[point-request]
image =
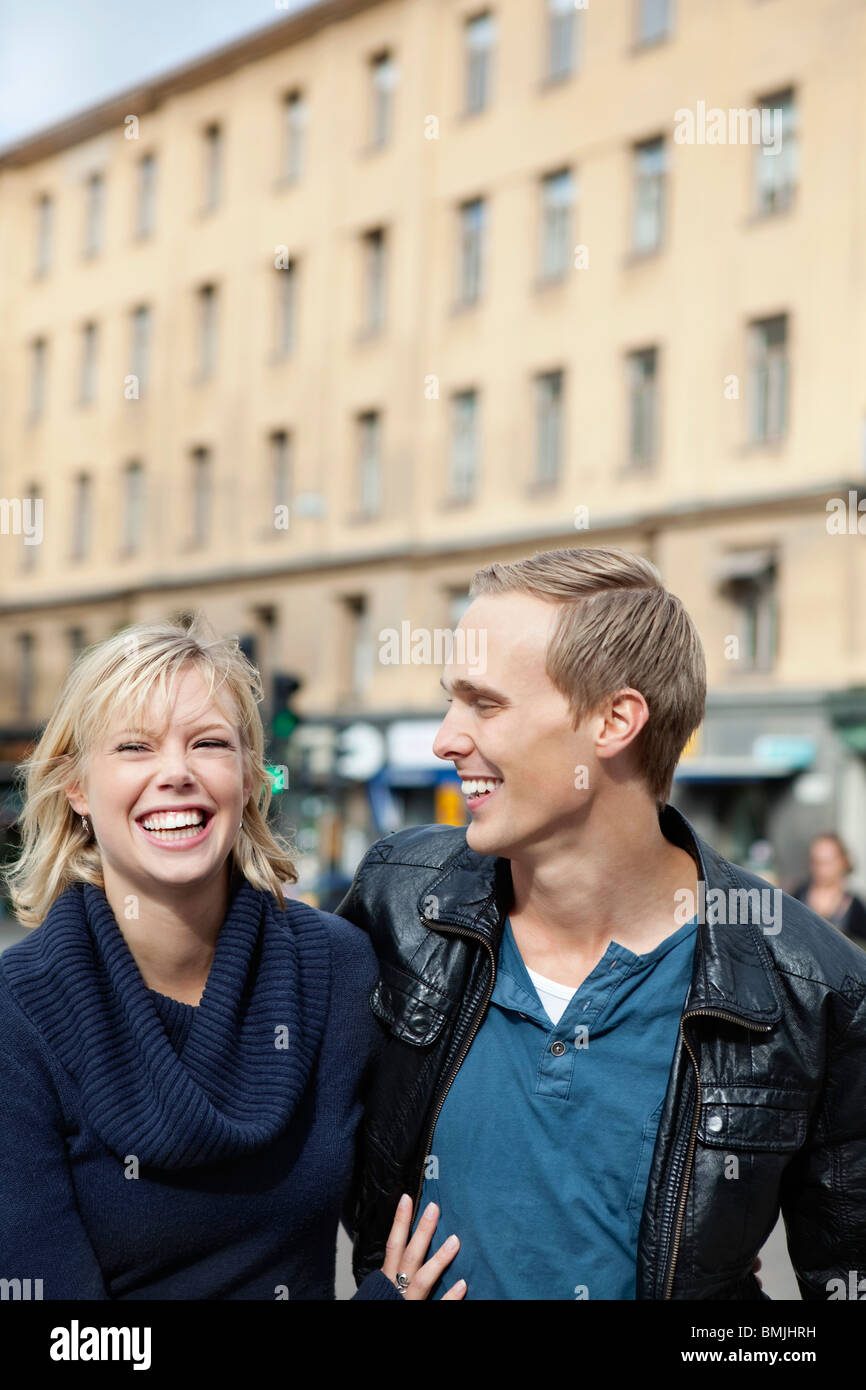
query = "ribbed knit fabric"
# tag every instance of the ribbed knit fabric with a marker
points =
(248, 1140)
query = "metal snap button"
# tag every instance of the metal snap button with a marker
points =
(557, 1048)
(715, 1123)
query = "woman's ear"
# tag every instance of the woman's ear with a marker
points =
(77, 801)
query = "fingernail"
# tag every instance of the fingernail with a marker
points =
(429, 1209)
(461, 1284)
(452, 1243)
(404, 1202)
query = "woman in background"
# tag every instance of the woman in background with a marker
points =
(183, 1051)
(825, 891)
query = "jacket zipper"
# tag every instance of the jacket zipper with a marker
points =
(458, 931)
(693, 1013)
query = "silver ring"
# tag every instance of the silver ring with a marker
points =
(402, 1282)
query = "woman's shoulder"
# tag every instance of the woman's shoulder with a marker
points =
(25, 1054)
(351, 948)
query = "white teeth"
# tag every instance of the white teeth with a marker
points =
(173, 820)
(473, 785)
(187, 833)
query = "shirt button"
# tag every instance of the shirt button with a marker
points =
(714, 1123)
(557, 1048)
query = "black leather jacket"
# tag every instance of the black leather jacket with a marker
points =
(769, 1066)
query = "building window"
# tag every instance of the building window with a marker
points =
(295, 116)
(479, 36)
(26, 674)
(207, 331)
(654, 20)
(649, 173)
(32, 495)
(557, 224)
(202, 488)
(82, 506)
(145, 206)
(548, 426)
(563, 38)
(94, 214)
(458, 601)
(370, 463)
(87, 379)
(44, 233)
(375, 250)
(77, 640)
(38, 369)
(643, 407)
(383, 82)
(133, 507)
(140, 346)
(464, 446)
(749, 581)
(287, 308)
(280, 466)
(776, 157)
(213, 167)
(470, 251)
(360, 645)
(768, 379)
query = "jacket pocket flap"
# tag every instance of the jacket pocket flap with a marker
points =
(753, 1117)
(408, 1006)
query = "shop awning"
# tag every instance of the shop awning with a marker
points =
(772, 756)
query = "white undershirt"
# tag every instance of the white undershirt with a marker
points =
(554, 996)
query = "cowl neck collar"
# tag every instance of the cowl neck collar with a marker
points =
(250, 1049)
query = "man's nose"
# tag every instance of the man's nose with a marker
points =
(451, 742)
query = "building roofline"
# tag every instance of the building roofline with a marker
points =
(145, 96)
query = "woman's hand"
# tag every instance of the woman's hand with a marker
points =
(401, 1258)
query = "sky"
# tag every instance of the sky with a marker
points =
(59, 56)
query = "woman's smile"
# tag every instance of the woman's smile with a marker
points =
(175, 836)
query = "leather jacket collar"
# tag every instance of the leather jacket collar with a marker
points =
(732, 973)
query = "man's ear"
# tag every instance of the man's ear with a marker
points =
(623, 718)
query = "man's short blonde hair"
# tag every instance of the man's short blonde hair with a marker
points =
(618, 626)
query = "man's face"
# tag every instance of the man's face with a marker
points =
(513, 725)
(195, 763)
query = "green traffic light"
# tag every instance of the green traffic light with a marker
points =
(285, 723)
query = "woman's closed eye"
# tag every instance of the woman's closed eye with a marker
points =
(203, 743)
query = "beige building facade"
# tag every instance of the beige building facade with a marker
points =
(306, 331)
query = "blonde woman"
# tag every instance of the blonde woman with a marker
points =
(183, 1051)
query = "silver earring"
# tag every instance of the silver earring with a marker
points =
(85, 825)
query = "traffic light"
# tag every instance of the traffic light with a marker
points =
(285, 719)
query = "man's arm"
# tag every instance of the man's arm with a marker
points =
(824, 1188)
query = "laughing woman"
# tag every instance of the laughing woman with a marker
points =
(183, 1051)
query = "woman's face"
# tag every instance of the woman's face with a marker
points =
(826, 862)
(194, 765)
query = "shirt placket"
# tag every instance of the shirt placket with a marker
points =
(572, 1035)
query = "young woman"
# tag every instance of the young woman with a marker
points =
(825, 890)
(183, 1051)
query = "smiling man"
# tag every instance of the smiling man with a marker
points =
(605, 1100)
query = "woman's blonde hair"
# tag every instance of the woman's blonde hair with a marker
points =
(618, 626)
(117, 674)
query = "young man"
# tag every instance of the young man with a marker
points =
(611, 1055)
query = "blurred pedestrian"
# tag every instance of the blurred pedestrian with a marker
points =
(825, 891)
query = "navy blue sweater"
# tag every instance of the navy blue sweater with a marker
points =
(154, 1149)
